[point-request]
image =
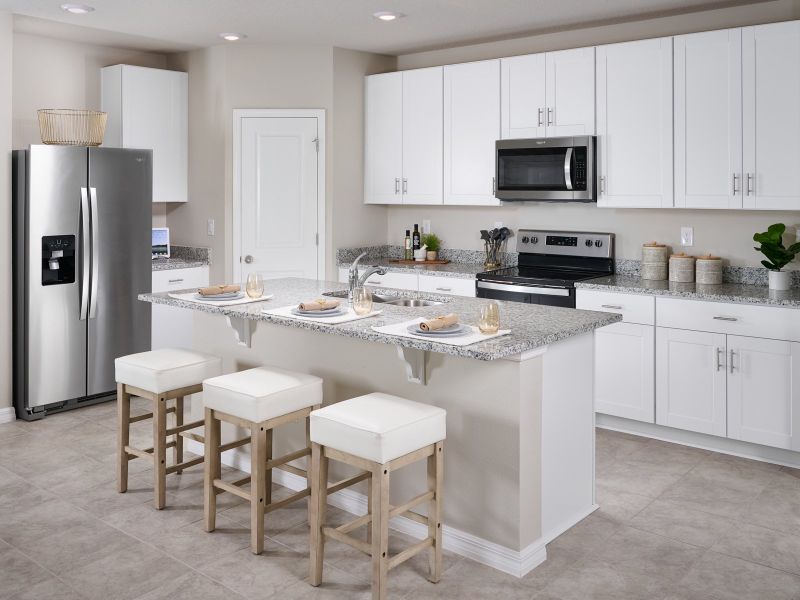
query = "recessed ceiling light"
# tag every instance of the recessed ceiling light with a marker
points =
(232, 37)
(77, 9)
(386, 15)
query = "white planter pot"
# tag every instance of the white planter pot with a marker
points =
(780, 280)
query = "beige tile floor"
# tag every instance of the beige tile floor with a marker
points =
(675, 523)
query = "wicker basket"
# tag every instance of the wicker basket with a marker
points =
(69, 127)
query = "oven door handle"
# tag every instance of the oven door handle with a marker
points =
(522, 289)
(568, 168)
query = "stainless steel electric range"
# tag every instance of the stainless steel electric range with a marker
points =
(550, 262)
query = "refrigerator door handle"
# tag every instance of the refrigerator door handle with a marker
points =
(95, 247)
(85, 251)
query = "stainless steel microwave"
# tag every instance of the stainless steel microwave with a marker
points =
(546, 169)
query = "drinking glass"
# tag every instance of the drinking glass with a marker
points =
(362, 301)
(255, 285)
(489, 321)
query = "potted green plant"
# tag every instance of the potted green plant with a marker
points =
(778, 256)
(434, 244)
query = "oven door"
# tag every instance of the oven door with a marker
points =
(550, 296)
(551, 169)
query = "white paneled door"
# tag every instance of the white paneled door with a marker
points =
(280, 196)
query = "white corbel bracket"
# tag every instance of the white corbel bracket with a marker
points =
(242, 329)
(414, 360)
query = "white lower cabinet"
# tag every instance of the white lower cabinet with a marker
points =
(690, 380)
(172, 327)
(447, 285)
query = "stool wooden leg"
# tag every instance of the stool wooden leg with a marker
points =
(435, 477)
(318, 472)
(160, 451)
(369, 511)
(380, 531)
(123, 436)
(268, 479)
(212, 468)
(177, 451)
(258, 476)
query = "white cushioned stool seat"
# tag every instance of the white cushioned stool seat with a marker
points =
(262, 393)
(378, 427)
(166, 369)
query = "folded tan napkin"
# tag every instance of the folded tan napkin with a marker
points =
(439, 322)
(216, 290)
(319, 304)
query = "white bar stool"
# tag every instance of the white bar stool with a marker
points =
(159, 375)
(260, 400)
(378, 433)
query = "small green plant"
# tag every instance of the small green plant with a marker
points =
(772, 247)
(432, 241)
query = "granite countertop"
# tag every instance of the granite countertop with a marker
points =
(453, 269)
(738, 293)
(532, 326)
(166, 264)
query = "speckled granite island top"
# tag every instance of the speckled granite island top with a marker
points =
(532, 326)
(738, 293)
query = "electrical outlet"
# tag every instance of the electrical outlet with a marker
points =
(210, 227)
(426, 225)
(687, 236)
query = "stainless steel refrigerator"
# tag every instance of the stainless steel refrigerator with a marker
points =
(81, 255)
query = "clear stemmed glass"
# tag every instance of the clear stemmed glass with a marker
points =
(489, 321)
(362, 301)
(255, 285)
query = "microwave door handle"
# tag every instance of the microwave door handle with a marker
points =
(85, 260)
(568, 168)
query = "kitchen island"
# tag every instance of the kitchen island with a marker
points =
(519, 466)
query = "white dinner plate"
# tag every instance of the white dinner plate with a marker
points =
(449, 331)
(319, 314)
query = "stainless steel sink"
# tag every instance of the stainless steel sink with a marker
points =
(384, 299)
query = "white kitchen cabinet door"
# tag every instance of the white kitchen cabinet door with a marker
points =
(523, 96)
(624, 371)
(634, 124)
(422, 136)
(764, 391)
(149, 108)
(570, 92)
(173, 327)
(771, 97)
(690, 380)
(383, 159)
(471, 128)
(708, 119)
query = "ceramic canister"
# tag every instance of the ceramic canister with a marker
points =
(681, 268)
(709, 270)
(654, 261)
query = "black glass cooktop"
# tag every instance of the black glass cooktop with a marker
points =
(540, 275)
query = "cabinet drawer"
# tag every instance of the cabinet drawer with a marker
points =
(739, 319)
(633, 308)
(447, 285)
(179, 279)
(403, 281)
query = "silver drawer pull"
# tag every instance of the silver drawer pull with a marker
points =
(176, 280)
(726, 319)
(444, 289)
(611, 306)
(374, 281)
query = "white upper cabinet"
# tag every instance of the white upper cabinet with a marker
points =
(148, 108)
(383, 164)
(708, 120)
(634, 124)
(471, 128)
(771, 97)
(548, 94)
(422, 136)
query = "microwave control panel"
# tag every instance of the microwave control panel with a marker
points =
(579, 182)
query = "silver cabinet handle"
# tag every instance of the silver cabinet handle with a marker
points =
(541, 116)
(732, 354)
(611, 306)
(567, 168)
(736, 189)
(248, 259)
(726, 319)
(720, 352)
(396, 185)
(750, 178)
(602, 184)
(176, 281)
(549, 115)
(85, 253)
(444, 289)
(95, 253)
(405, 185)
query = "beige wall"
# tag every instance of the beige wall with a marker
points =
(728, 233)
(6, 38)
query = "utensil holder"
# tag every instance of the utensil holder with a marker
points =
(492, 249)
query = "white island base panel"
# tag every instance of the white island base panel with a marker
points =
(519, 454)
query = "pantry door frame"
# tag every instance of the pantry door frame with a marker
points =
(239, 114)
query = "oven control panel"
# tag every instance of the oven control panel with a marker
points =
(566, 243)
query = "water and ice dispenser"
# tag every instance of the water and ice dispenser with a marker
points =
(58, 259)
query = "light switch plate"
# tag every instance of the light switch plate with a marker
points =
(687, 236)
(210, 227)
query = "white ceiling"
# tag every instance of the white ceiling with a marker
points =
(168, 25)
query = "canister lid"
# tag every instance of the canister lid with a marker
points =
(682, 256)
(654, 245)
(708, 257)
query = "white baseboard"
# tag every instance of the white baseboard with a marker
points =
(7, 415)
(516, 563)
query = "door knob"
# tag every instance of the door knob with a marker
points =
(248, 259)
